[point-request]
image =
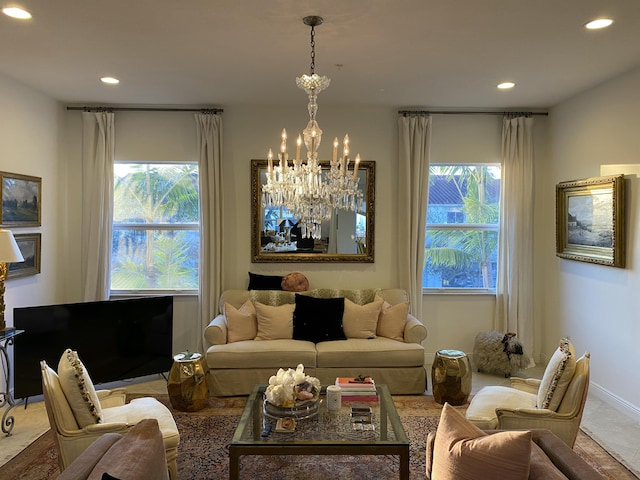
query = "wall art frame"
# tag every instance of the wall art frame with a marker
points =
(21, 200)
(30, 247)
(590, 225)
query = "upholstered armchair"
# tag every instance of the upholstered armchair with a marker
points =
(556, 402)
(78, 420)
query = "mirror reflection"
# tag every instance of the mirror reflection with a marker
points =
(346, 237)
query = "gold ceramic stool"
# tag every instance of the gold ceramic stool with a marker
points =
(187, 386)
(451, 377)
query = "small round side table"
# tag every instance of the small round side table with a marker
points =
(451, 377)
(187, 385)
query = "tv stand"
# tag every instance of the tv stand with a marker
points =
(6, 339)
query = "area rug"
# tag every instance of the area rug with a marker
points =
(205, 435)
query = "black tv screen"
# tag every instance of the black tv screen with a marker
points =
(116, 340)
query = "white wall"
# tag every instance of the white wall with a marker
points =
(29, 146)
(596, 305)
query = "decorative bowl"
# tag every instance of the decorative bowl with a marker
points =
(300, 410)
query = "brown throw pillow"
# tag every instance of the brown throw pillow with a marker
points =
(464, 452)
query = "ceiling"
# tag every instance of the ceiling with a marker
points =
(407, 53)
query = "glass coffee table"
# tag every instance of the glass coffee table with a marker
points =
(327, 433)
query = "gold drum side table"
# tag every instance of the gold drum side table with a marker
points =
(451, 377)
(187, 385)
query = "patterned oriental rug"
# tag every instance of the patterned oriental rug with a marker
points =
(203, 451)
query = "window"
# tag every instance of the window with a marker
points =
(461, 240)
(156, 233)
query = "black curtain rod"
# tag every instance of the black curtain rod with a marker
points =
(454, 112)
(146, 109)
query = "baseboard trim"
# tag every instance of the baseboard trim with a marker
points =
(614, 401)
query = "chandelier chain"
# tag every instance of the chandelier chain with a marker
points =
(313, 50)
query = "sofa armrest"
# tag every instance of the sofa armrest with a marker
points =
(216, 331)
(563, 457)
(83, 465)
(414, 330)
(112, 398)
(529, 385)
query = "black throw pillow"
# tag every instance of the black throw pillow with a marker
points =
(318, 319)
(264, 282)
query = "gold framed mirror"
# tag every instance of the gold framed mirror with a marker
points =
(349, 235)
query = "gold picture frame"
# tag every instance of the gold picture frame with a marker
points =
(590, 223)
(21, 200)
(30, 247)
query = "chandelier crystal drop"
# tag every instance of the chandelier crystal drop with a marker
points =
(309, 193)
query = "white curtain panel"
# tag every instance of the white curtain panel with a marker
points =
(209, 137)
(98, 144)
(514, 285)
(414, 144)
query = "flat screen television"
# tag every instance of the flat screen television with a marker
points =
(116, 340)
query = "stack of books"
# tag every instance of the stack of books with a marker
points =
(359, 389)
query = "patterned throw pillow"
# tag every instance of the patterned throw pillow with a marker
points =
(78, 389)
(557, 376)
(462, 451)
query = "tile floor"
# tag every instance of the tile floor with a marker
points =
(616, 432)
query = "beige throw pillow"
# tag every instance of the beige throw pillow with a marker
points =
(361, 321)
(557, 376)
(242, 323)
(392, 320)
(462, 451)
(274, 323)
(78, 389)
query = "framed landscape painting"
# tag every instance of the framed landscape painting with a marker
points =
(21, 196)
(590, 220)
(29, 245)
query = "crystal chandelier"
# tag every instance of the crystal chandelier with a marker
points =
(303, 188)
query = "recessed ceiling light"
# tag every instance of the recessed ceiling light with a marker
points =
(15, 12)
(110, 80)
(506, 85)
(599, 23)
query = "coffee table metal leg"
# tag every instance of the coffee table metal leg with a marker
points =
(234, 464)
(404, 465)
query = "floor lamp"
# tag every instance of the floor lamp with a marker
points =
(9, 253)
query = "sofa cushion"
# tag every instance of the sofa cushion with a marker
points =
(375, 352)
(482, 409)
(392, 320)
(242, 323)
(146, 407)
(274, 323)
(462, 451)
(264, 282)
(272, 354)
(78, 389)
(557, 376)
(361, 321)
(318, 319)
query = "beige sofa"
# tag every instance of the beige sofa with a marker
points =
(234, 368)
